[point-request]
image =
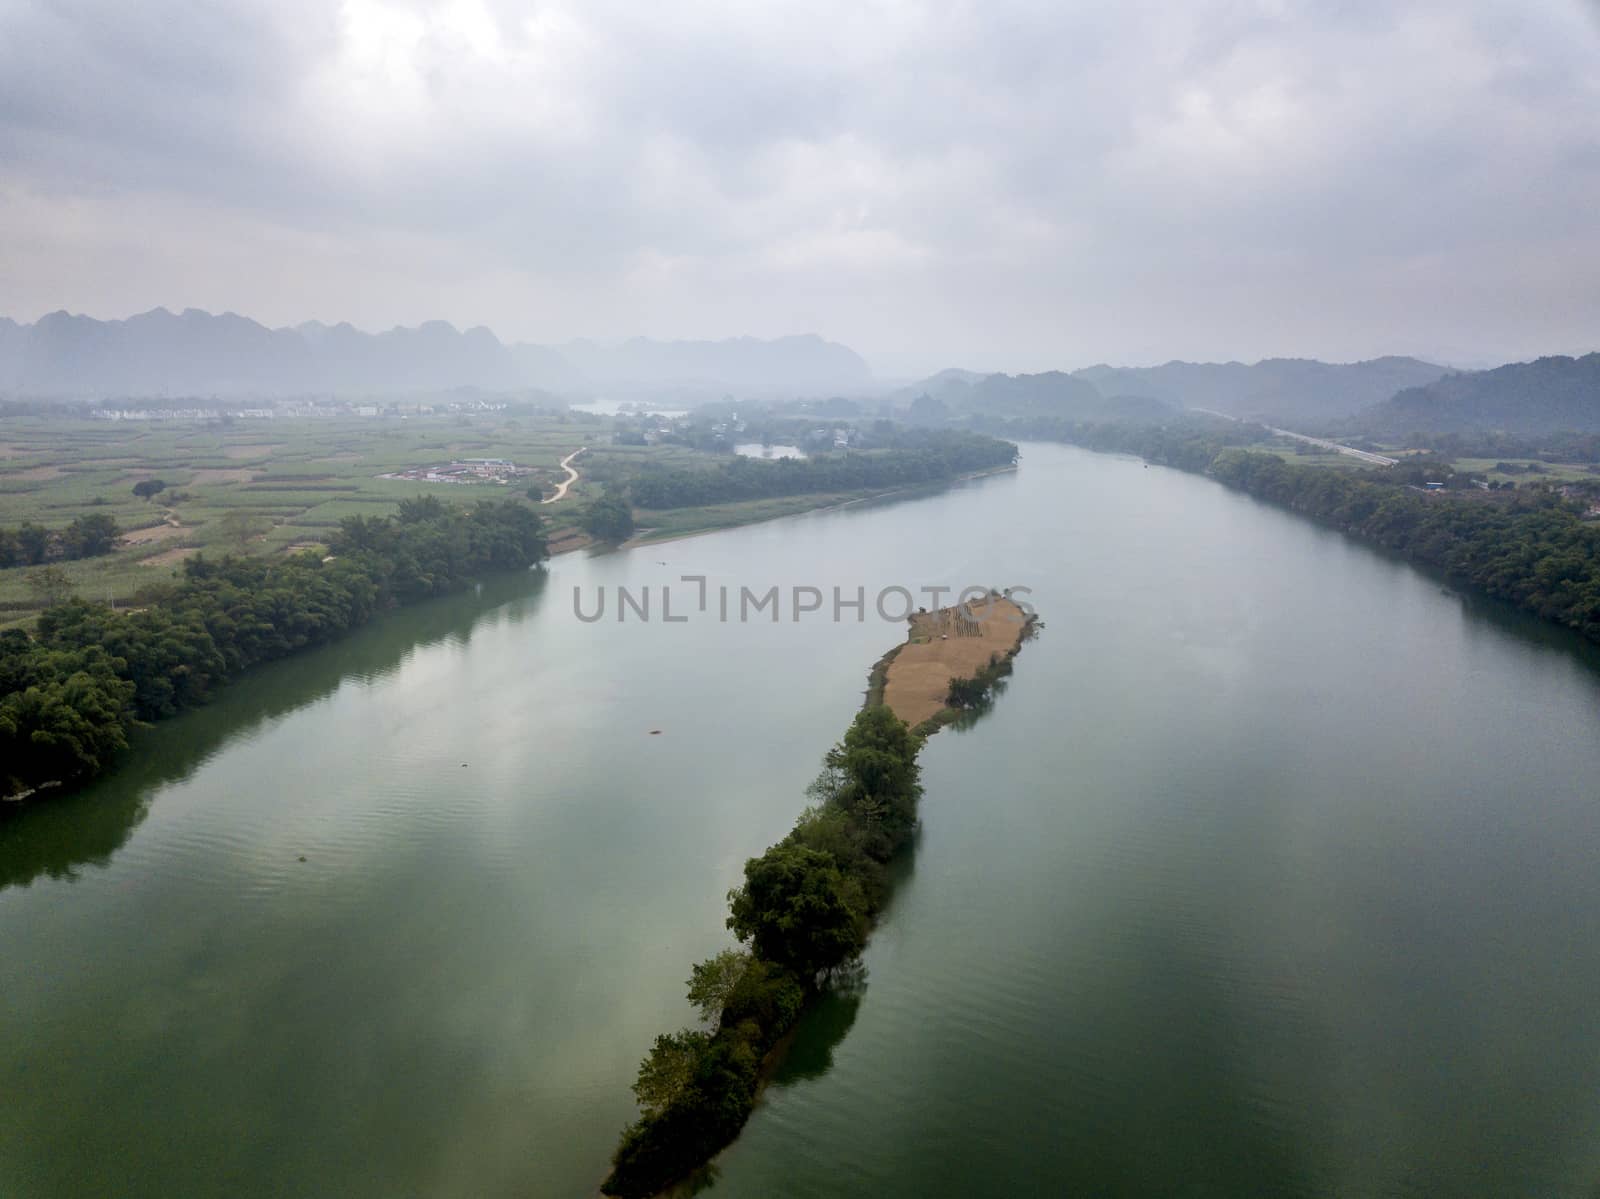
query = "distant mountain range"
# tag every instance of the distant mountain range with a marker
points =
(159, 353)
(1380, 398)
(954, 393)
(1549, 395)
(198, 354)
(1291, 391)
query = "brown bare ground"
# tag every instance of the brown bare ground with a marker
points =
(154, 533)
(169, 557)
(944, 645)
(572, 539)
(212, 474)
(238, 452)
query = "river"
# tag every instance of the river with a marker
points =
(1274, 871)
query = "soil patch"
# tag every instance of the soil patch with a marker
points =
(169, 557)
(570, 540)
(949, 644)
(153, 533)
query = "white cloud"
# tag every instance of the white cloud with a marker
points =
(1012, 183)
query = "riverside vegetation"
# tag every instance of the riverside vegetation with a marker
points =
(1532, 547)
(803, 915)
(74, 691)
(261, 488)
(917, 456)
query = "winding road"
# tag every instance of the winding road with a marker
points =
(1364, 455)
(572, 476)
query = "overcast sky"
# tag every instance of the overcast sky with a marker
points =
(997, 184)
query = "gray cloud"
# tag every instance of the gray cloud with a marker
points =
(1008, 183)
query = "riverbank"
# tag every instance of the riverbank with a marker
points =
(1175, 834)
(675, 524)
(91, 673)
(809, 902)
(1535, 547)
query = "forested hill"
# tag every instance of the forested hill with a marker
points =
(954, 393)
(1549, 395)
(1300, 392)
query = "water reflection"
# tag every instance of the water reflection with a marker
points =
(58, 836)
(824, 1027)
(809, 1055)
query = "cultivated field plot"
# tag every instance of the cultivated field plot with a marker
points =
(1529, 470)
(945, 645)
(270, 486)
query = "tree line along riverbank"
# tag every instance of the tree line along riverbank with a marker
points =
(918, 456)
(804, 909)
(71, 694)
(1535, 548)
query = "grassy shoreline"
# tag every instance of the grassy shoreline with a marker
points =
(683, 523)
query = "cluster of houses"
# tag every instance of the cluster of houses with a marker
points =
(468, 470)
(324, 409)
(156, 414)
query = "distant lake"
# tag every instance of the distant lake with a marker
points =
(1274, 871)
(754, 449)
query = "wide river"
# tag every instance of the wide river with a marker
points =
(1274, 871)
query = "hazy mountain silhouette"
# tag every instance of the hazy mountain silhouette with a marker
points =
(1549, 395)
(1049, 394)
(805, 362)
(195, 353)
(1296, 391)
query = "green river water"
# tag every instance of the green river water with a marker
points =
(1274, 871)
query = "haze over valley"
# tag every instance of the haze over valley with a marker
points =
(832, 601)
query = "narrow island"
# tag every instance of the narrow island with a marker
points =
(808, 902)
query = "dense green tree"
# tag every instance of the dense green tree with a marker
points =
(147, 488)
(30, 544)
(33, 543)
(90, 536)
(714, 979)
(669, 1069)
(420, 508)
(796, 909)
(65, 726)
(880, 780)
(222, 617)
(966, 693)
(609, 518)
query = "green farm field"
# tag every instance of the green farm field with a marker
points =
(289, 482)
